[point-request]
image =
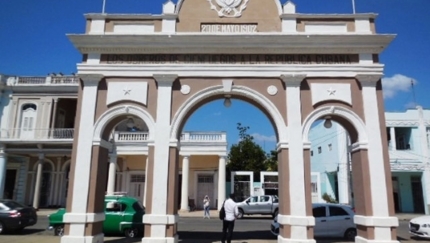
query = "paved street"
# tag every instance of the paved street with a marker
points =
(191, 229)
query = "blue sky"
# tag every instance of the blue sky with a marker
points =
(33, 42)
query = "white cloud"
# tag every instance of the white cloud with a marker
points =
(395, 84)
(261, 138)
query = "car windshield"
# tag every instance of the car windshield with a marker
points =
(12, 204)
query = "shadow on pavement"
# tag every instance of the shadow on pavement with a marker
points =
(24, 232)
(209, 237)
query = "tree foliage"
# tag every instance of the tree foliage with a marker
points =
(247, 155)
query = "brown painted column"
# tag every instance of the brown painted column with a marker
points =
(375, 219)
(173, 190)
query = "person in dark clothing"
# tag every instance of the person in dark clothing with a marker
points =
(231, 213)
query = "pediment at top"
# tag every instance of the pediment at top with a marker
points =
(244, 15)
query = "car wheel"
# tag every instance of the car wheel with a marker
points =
(240, 215)
(59, 230)
(275, 214)
(2, 228)
(131, 232)
(350, 234)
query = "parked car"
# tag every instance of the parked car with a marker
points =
(266, 205)
(331, 220)
(420, 226)
(123, 215)
(15, 216)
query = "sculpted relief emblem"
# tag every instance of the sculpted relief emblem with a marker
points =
(228, 8)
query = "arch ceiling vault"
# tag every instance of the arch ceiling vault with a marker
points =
(295, 67)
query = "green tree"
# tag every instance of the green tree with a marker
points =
(246, 155)
(272, 161)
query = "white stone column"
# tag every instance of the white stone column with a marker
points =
(393, 142)
(298, 219)
(146, 181)
(77, 216)
(39, 170)
(426, 158)
(184, 186)
(221, 181)
(57, 182)
(3, 163)
(112, 172)
(342, 175)
(381, 220)
(158, 219)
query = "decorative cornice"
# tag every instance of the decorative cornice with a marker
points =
(403, 123)
(257, 43)
(407, 167)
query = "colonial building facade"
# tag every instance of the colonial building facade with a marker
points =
(37, 133)
(158, 69)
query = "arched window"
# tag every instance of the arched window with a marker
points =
(28, 120)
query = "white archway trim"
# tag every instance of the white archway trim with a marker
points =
(349, 115)
(180, 2)
(64, 167)
(236, 90)
(45, 160)
(116, 111)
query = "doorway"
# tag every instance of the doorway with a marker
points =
(9, 187)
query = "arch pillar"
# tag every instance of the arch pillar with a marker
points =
(161, 212)
(375, 217)
(37, 186)
(85, 208)
(294, 218)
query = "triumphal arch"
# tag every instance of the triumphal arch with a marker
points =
(297, 68)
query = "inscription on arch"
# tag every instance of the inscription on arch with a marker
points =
(231, 59)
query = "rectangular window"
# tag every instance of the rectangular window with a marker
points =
(319, 150)
(137, 178)
(312, 153)
(329, 147)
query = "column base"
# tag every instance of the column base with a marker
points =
(83, 239)
(359, 239)
(160, 240)
(287, 240)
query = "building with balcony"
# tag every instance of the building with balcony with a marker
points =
(408, 140)
(36, 136)
(408, 136)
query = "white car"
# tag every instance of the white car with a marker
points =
(420, 226)
(331, 220)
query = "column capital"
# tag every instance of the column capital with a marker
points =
(293, 80)
(282, 145)
(165, 79)
(368, 80)
(91, 79)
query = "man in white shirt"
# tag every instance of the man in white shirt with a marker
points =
(231, 213)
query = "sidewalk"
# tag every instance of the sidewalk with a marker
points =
(214, 213)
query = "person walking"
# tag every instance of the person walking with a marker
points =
(231, 213)
(206, 207)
